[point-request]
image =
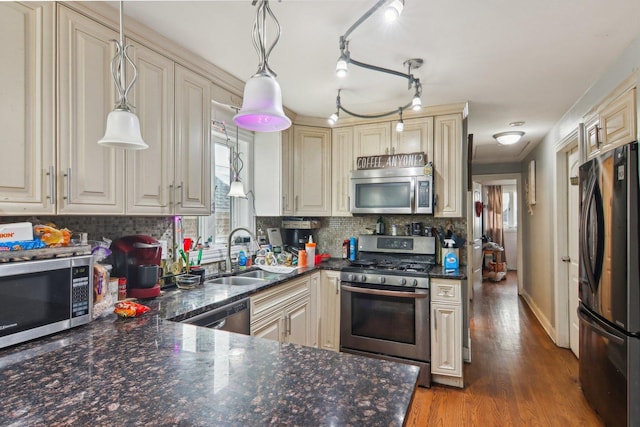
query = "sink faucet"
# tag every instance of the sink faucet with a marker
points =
(251, 235)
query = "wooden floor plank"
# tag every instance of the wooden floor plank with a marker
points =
(518, 376)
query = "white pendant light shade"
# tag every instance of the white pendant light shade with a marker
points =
(123, 131)
(237, 190)
(262, 106)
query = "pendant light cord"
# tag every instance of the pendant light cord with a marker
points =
(118, 68)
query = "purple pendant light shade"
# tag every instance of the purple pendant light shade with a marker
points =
(262, 101)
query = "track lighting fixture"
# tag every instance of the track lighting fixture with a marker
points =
(400, 124)
(393, 10)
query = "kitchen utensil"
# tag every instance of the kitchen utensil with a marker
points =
(186, 244)
(188, 281)
(275, 238)
(199, 256)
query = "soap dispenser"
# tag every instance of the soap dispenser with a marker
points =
(450, 259)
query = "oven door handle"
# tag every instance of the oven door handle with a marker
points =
(383, 292)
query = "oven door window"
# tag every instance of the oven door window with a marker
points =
(34, 299)
(383, 317)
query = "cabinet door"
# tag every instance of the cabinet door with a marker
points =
(592, 136)
(446, 339)
(27, 110)
(417, 137)
(447, 162)
(272, 328)
(91, 177)
(288, 177)
(298, 322)
(372, 139)
(150, 172)
(314, 312)
(342, 163)
(618, 120)
(330, 311)
(312, 186)
(193, 143)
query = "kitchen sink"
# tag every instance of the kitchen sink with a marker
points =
(236, 280)
(260, 274)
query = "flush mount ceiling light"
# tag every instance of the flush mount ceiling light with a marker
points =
(123, 126)
(262, 102)
(508, 138)
(393, 10)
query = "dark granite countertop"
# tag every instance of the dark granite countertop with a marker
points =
(439, 272)
(151, 371)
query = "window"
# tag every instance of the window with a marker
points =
(227, 212)
(509, 207)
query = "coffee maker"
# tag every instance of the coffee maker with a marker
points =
(296, 238)
(138, 259)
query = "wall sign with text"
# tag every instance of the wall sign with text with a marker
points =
(387, 161)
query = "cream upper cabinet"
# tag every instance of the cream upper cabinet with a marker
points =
(90, 177)
(446, 332)
(27, 115)
(312, 171)
(614, 124)
(329, 318)
(288, 177)
(417, 137)
(192, 182)
(342, 163)
(372, 139)
(448, 163)
(150, 172)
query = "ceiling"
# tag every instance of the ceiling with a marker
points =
(511, 60)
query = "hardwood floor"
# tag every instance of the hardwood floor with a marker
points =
(518, 376)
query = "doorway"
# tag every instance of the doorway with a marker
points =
(566, 278)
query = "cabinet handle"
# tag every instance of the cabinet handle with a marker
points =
(386, 150)
(181, 193)
(288, 324)
(435, 322)
(68, 178)
(295, 203)
(171, 195)
(337, 286)
(597, 134)
(284, 202)
(52, 185)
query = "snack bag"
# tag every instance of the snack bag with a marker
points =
(130, 309)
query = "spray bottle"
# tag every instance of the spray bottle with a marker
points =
(450, 259)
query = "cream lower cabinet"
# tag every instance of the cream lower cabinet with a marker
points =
(90, 177)
(284, 313)
(329, 309)
(446, 332)
(27, 114)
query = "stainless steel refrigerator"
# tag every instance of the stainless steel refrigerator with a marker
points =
(609, 309)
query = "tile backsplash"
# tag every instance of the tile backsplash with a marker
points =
(333, 230)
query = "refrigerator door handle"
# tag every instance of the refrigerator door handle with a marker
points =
(597, 328)
(593, 271)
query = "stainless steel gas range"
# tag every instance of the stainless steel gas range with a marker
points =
(384, 308)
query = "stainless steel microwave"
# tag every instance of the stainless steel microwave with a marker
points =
(391, 191)
(39, 298)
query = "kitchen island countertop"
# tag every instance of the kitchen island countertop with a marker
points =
(151, 371)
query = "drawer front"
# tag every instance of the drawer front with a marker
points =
(276, 298)
(445, 291)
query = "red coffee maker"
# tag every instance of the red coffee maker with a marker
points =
(138, 259)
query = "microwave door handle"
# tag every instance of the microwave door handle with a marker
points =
(412, 191)
(383, 292)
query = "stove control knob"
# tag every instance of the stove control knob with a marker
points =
(351, 277)
(403, 281)
(382, 279)
(415, 282)
(363, 278)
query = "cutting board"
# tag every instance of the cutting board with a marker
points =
(275, 238)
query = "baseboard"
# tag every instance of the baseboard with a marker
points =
(546, 325)
(447, 380)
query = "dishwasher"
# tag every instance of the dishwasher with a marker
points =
(233, 317)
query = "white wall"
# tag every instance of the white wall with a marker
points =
(539, 258)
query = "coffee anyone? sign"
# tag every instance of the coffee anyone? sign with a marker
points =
(387, 161)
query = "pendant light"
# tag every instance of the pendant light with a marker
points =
(262, 101)
(123, 126)
(237, 188)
